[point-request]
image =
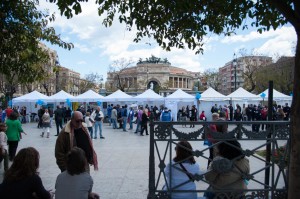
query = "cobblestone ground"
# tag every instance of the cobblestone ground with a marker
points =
(123, 161)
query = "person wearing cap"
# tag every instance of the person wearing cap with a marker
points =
(165, 115)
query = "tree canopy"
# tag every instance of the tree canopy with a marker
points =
(22, 56)
(181, 23)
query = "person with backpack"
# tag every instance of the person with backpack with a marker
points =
(166, 115)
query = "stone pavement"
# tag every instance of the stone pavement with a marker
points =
(123, 161)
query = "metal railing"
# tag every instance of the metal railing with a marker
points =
(267, 151)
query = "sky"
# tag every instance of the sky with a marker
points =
(96, 47)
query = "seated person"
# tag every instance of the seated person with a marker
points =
(202, 116)
(21, 180)
(75, 182)
(228, 174)
(183, 168)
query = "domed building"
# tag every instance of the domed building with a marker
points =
(153, 73)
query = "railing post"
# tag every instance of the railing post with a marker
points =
(268, 146)
(151, 186)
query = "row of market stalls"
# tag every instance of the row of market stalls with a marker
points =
(174, 101)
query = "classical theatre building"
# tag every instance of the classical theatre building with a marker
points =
(153, 73)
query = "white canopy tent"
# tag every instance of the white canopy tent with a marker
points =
(88, 96)
(61, 96)
(30, 97)
(176, 100)
(280, 98)
(148, 95)
(29, 100)
(209, 98)
(150, 98)
(118, 96)
(242, 95)
(211, 94)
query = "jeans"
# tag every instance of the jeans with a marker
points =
(124, 123)
(114, 123)
(98, 124)
(58, 124)
(138, 124)
(91, 131)
(130, 123)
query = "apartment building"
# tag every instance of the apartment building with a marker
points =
(234, 73)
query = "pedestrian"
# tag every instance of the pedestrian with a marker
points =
(130, 118)
(165, 115)
(22, 179)
(124, 116)
(193, 117)
(50, 110)
(40, 114)
(287, 111)
(238, 115)
(46, 123)
(98, 117)
(75, 182)
(75, 133)
(109, 109)
(230, 112)
(58, 117)
(3, 146)
(89, 122)
(114, 116)
(13, 132)
(144, 122)
(68, 114)
(139, 119)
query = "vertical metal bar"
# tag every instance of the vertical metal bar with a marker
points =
(151, 193)
(268, 146)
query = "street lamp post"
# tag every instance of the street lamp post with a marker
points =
(234, 65)
(147, 79)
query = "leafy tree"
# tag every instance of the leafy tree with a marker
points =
(22, 57)
(280, 72)
(180, 23)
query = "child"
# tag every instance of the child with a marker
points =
(3, 146)
(89, 122)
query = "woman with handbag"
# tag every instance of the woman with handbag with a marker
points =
(183, 167)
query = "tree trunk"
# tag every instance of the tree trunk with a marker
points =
(294, 167)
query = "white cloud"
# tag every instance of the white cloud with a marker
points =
(82, 47)
(254, 35)
(81, 62)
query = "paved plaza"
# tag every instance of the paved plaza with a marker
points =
(123, 161)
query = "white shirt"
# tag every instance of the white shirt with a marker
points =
(88, 122)
(3, 141)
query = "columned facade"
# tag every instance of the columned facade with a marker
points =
(152, 73)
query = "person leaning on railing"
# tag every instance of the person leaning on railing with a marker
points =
(227, 170)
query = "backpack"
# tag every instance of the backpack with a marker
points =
(166, 116)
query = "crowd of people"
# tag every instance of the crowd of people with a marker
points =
(74, 145)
